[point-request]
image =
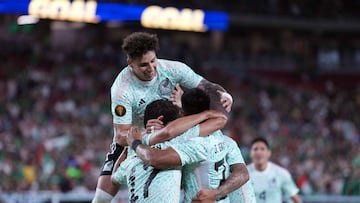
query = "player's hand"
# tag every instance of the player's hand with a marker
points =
(134, 134)
(175, 97)
(154, 124)
(205, 196)
(226, 100)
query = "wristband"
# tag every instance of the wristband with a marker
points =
(135, 144)
(227, 95)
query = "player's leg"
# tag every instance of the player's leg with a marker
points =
(106, 189)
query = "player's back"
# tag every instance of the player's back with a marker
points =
(232, 153)
(147, 184)
(209, 167)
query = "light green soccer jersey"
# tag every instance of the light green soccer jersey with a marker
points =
(217, 152)
(130, 96)
(245, 194)
(272, 184)
(147, 184)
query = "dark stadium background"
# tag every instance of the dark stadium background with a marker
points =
(292, 66)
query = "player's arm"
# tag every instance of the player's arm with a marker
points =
(120, 132)
(164, 158)
(296, 199)
(169, 158)
(289, 187)
(212, 89)
(214, 120)
(238, 177)
(160, 159)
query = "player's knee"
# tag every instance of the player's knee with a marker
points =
(101, 196)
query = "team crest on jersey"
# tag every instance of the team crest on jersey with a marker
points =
(165, 87)
(120, 110)
(272, 182)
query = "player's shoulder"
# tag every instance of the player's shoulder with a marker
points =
(125, 75)
(170, 64)
(278, 169)
(228, 139)
(122, 80)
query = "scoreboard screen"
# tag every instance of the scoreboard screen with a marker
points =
(91, 11)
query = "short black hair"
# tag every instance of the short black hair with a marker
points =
(260, 139)
(161, 107)
(137, 44)
(195, 101)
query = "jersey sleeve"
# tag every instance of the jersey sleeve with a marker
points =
(186, 76)
(288, 186)
(146, 139)
(191, 151)
(121, 108)
(192, 132)
(189, 134)
(234, 156)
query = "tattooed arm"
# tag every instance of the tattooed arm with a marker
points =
(215, 92)
(220, 99)
(238, 177)
(210, 87)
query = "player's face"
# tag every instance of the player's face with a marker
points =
(259, 153)
(144, 68)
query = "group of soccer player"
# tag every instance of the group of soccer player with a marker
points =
(176, 150)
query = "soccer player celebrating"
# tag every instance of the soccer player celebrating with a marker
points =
(145, 79)
(147, 184)
(271, 181)
(225, 170)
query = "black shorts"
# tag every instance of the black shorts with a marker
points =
(111, 158)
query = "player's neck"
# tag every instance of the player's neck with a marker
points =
(261, 167)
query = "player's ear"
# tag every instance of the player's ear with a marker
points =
(129, 62)
(181, 113)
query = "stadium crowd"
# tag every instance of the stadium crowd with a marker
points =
(55, 120)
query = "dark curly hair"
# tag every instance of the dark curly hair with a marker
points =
(195, 101)
(137, 44)
(161, 107)
(260, 139)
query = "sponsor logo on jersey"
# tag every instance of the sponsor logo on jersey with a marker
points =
(120, 110)
(165, 87)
